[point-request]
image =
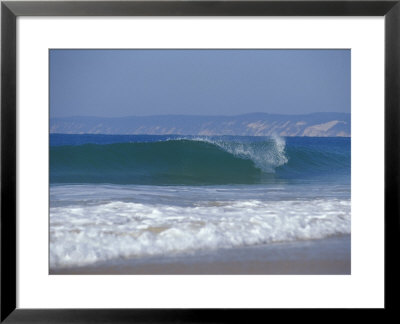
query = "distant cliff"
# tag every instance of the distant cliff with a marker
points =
(255, 124)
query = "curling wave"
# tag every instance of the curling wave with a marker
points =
(194, 161)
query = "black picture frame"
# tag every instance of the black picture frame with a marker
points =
(10, 10)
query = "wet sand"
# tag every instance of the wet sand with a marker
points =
(325, 256)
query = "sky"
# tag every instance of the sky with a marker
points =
(118, 83)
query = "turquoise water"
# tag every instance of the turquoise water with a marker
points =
(173, 160)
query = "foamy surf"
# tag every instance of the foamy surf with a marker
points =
(86, 232)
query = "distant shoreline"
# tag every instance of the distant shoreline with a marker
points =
(189, 135)
(253, 124)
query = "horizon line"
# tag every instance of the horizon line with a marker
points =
(194, 115)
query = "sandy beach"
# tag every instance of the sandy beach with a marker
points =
(330, 256)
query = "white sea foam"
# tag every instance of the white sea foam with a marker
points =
(84, 234)
(266, 155)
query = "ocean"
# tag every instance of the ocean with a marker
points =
(127, 198)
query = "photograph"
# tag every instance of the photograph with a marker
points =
(199, 161)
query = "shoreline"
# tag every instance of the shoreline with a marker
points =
(328, 256)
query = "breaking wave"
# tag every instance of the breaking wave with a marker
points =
(194, 161)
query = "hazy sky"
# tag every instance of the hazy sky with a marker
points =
(116, 83)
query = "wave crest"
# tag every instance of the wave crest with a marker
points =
(175, 161)
(197, 161)
(266, 155)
